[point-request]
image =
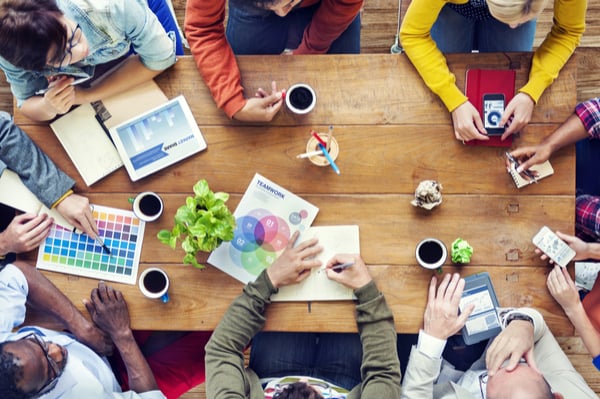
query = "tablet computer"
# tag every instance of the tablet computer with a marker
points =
(483, 323)
(157, 138)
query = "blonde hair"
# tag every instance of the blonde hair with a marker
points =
(513, 11)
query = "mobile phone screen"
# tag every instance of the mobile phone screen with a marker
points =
(493, 109)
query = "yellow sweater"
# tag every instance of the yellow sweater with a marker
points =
(549, 58)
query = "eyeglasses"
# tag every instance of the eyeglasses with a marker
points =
(483, 379)
(73, 41)
(52, 365)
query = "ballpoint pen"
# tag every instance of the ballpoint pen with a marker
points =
(329, 159)
(342, 266)
(516, 164)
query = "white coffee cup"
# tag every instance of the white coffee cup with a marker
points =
(300, 98)
(431, 253)
(154, 284)
(147, 206)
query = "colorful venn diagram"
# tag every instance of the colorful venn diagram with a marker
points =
(260, 236)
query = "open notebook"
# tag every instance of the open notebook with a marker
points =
(83, 132)
(317, 287)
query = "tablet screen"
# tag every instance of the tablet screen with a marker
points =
(484, 316)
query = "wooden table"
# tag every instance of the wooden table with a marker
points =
(392, 133)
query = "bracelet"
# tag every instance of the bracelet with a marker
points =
(519, 316)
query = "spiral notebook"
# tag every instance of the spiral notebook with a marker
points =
(543, 170)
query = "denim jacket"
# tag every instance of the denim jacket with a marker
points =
(19, 154)
(111, 28)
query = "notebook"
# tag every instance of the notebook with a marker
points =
(543, 170)
(317, 287)
(489, 81)
(157, 138)
(83, 131)
(14, 193)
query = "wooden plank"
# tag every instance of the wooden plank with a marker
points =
(351, 102)
(206, 295)
(404, 154)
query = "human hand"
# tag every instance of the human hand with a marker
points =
(441, 318)
(263, 107)
(77, 211)
(92, 336)
(580, 247)
(109, 312)
(530, 156)
(24, 233)
(294, 264)
(513, 343)
(353, 277)
(60, 96)
(517, 114)
(563, 289)
(467, 123)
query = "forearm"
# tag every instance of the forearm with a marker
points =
(130, 74)
(585, 329)
(570, 132)
(139, 374)
(46, 297)
(38, 109)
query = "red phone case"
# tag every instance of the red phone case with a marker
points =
(489, 81)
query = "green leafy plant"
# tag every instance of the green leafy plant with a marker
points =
(202, 224)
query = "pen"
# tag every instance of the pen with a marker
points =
(319, 139)
(343, 266)
(333, 165)
(516, 164)
(310, 154)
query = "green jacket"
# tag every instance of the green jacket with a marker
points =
(226, 376)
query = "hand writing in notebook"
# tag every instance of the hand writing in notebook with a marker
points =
(353, 277)
(530, 156)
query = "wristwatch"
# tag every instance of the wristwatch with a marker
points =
(518, 316)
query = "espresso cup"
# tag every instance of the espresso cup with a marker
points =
(300, 98)
(147, 206)
(431, 253)
(154, 284)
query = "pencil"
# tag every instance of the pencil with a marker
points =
(310, 154)
(319, 139)
(342, 266)
(329, 138)
(333, 165)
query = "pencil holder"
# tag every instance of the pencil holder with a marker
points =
(313, 145)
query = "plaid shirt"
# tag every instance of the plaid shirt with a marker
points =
(589, 113)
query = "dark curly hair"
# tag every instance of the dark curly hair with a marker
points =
(10, 373)
(297, 390)
(29, 29)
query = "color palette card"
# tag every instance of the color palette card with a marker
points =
(68, 252)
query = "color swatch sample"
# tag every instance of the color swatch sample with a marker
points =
(68, 252)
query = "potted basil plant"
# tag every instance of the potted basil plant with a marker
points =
(201, 224)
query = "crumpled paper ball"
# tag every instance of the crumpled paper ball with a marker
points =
(428, 194)
(461, 251)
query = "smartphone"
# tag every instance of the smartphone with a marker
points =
(493, 108)
(483, 322)
(555, 248)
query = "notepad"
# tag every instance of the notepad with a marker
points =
(543, 170)
(83, 131)
(14, 193)
(317, 287)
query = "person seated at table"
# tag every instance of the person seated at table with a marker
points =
(264, 27)
(36, 361)
(49, 184)
(307, 365)
(45, 45)
(523, 361)
(433, 27)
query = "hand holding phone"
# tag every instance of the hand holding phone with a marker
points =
(555, 248)
(493, 108)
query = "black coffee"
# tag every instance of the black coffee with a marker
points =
(155, 281)
(430, 252)
(150, 205)
(301, 98)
